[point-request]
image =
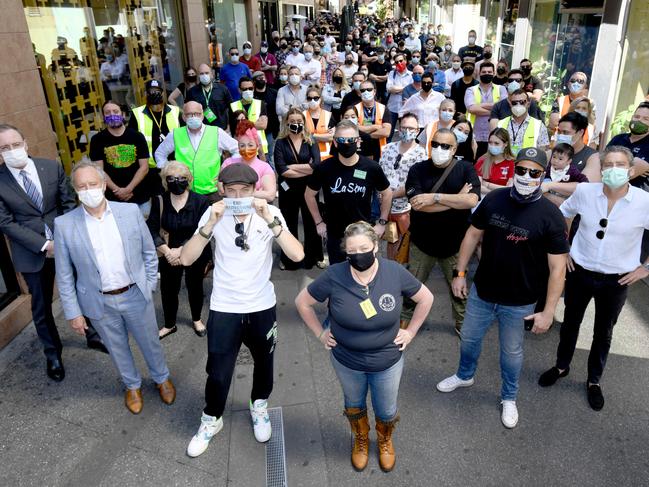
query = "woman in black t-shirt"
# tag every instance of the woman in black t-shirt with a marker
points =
(183, 87)
(364, 296)
(466, 144)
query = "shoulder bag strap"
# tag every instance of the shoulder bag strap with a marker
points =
(445, 174)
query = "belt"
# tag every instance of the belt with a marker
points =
(598, 275)
(119, 291)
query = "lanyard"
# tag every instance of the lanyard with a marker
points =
(370, 114)
(515, 133)
(207, 96)
(158, 123)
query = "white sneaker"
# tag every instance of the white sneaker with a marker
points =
(210, 426)
(453, 382)
(509, 416)
(260, 420)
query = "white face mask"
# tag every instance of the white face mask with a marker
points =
(518, 110)
(456, 65)
(247, 95)
(558, 174)
(471, 40)
(205, 79)
(16, 158)
(525, 185)
(367, 95)
(294, 79)
(440, 156)
(512, 86)
(91, 198)
(308, 56)
(314, 104)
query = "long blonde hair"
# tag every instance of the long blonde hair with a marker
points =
(591, 115)
(344, 85)
(503, 135)
(284, 132)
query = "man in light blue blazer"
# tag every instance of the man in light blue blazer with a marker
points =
(106, 269)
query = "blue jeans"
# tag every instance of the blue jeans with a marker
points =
(511, 332)
(384, 388)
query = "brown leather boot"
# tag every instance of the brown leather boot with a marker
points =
(384, 443)
(360, 427)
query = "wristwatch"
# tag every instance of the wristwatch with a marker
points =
(646, 266)
(437, 198)
(274, 223)
(457, 273)
(383, 222)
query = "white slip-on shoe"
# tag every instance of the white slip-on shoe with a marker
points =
(453, 382)
(509, 415)
(201, 440)
(260, 420)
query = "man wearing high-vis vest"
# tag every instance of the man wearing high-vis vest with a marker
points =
(254, 109)
(479, 101)
(524, 130)
(155, 120)
(373, 122)
(200, 147)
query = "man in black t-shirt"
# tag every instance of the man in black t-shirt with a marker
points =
(348, 182)
(379, 74)
(353, 97)
(471, 51)
(531, 84)
(439, 218)
(459, 87)
(524, 250)
(214, 97)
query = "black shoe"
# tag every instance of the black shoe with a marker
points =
(595, 396)
(97, 345)
(55, 370)
(549, 377)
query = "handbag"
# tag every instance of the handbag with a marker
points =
(391, 234)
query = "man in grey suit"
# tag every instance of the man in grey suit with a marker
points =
(32, 193)
(107, 269)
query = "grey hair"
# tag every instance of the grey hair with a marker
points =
(360, 228)
(83, 164)
(620, 149)
(346, 124)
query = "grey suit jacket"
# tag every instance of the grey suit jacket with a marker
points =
(23, 222)
(77, 272)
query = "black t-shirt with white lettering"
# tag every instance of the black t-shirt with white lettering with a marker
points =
(347, 191)
(365, 340)
(513, 269)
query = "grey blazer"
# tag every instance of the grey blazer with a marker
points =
(77, 272)
(23, 222)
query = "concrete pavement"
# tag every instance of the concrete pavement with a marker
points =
(78, 432)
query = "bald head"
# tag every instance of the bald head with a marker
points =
(192, 108)
(205, 74)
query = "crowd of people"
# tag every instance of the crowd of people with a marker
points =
(387, 139)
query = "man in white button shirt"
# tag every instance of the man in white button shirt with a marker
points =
(106, 269)
(311, 68)
(604, 261)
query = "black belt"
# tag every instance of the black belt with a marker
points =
(118, 291)
(598, 275)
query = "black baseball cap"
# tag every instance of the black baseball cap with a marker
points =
(153, 83)
(238, 173)
(534, 155)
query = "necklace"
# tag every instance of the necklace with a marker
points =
(365, 286)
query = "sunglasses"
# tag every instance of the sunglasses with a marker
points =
(346, 140)
(512, 80)
(176, 179)
(367, 90)
(518, 102)
(600, 233)
(241, 240)
(435, 145)
(580, 81)
(534, 173)
(312, 98)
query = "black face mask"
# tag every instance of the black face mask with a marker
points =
(296, 128)
(154, 98)
(363, 261)
(468, 71)
(487, 55)
(501, 71)
(349, 61)
(348, 149)
(177, 187)
(260, 83)
(337, 79)
(527, 70)
(192, 79)
(427, 87)
(486, 78)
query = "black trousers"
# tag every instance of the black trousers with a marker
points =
(170, 280)
(334, 249)
(582, 286)
(291, 204)
(225, 334)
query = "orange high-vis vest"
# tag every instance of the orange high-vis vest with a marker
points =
(322, 128)
(564, 104)
(378, 119)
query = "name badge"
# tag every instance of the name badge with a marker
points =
(360, 174)
(209, 115)
(368, 308)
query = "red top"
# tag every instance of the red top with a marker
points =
(500, 173)
(253, 63)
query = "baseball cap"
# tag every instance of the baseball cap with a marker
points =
(264, 43)
(152, 83)
(238, 173)
(534, 155)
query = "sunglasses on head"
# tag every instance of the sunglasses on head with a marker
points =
(534, 173)
(346, 140)
(241, 240)
(600, 233)
(434, 144)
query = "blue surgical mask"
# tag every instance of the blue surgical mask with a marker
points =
(356, 85)
(615, 177)
(416, 77)
(575, 87)
(496, 150)
(194, 123)
(432, 65)
(512, 86)
(563, 139)
(446, 116)
(460, 136)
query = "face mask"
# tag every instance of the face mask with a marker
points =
(496, 150)
(238, 206)
(407, 135)
(486, 78)
(412, 35)
(447, 47)
(192, 79)
(381, 57)
(91, 198)
(456, 65)
(154, 98)
(527, 70)
(432, 65)
(467, 70)
(615, 177)
(575, 87)
(512, 86)
(114, 121)
(248, 153)
(337, 79)
(367, 95)
(177, 187)
(563, 139)
(440, 156)
(356, 85)
(247, 51)
(295, 50)
(326, 49)
(415, 60)
(427, 87)
(348, 48)
(260, 83)
(446, 116)
(638, 128)
(501, 70)
(234, 58)
(487, 55)
(283, 46)
(558, 174)
(518, 110)
(460, 136)
(294, 79)
(471, 40)
(205, 79)
(247, 95)
(263, 50)
(582, 113)
(349, 62)
(353, 120)
(194, 123)
(283, 77)
(295, 128)
(525, 185)
(401, 67)
(348, 149)
(308, 56)
(109, 57)
(314, 104)
(416, 77)
(361, 262)
(16, 158)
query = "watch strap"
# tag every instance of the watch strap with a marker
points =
(274, 223)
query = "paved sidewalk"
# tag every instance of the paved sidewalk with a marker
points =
(78, 432)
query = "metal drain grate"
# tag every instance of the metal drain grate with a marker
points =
(275, 454)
